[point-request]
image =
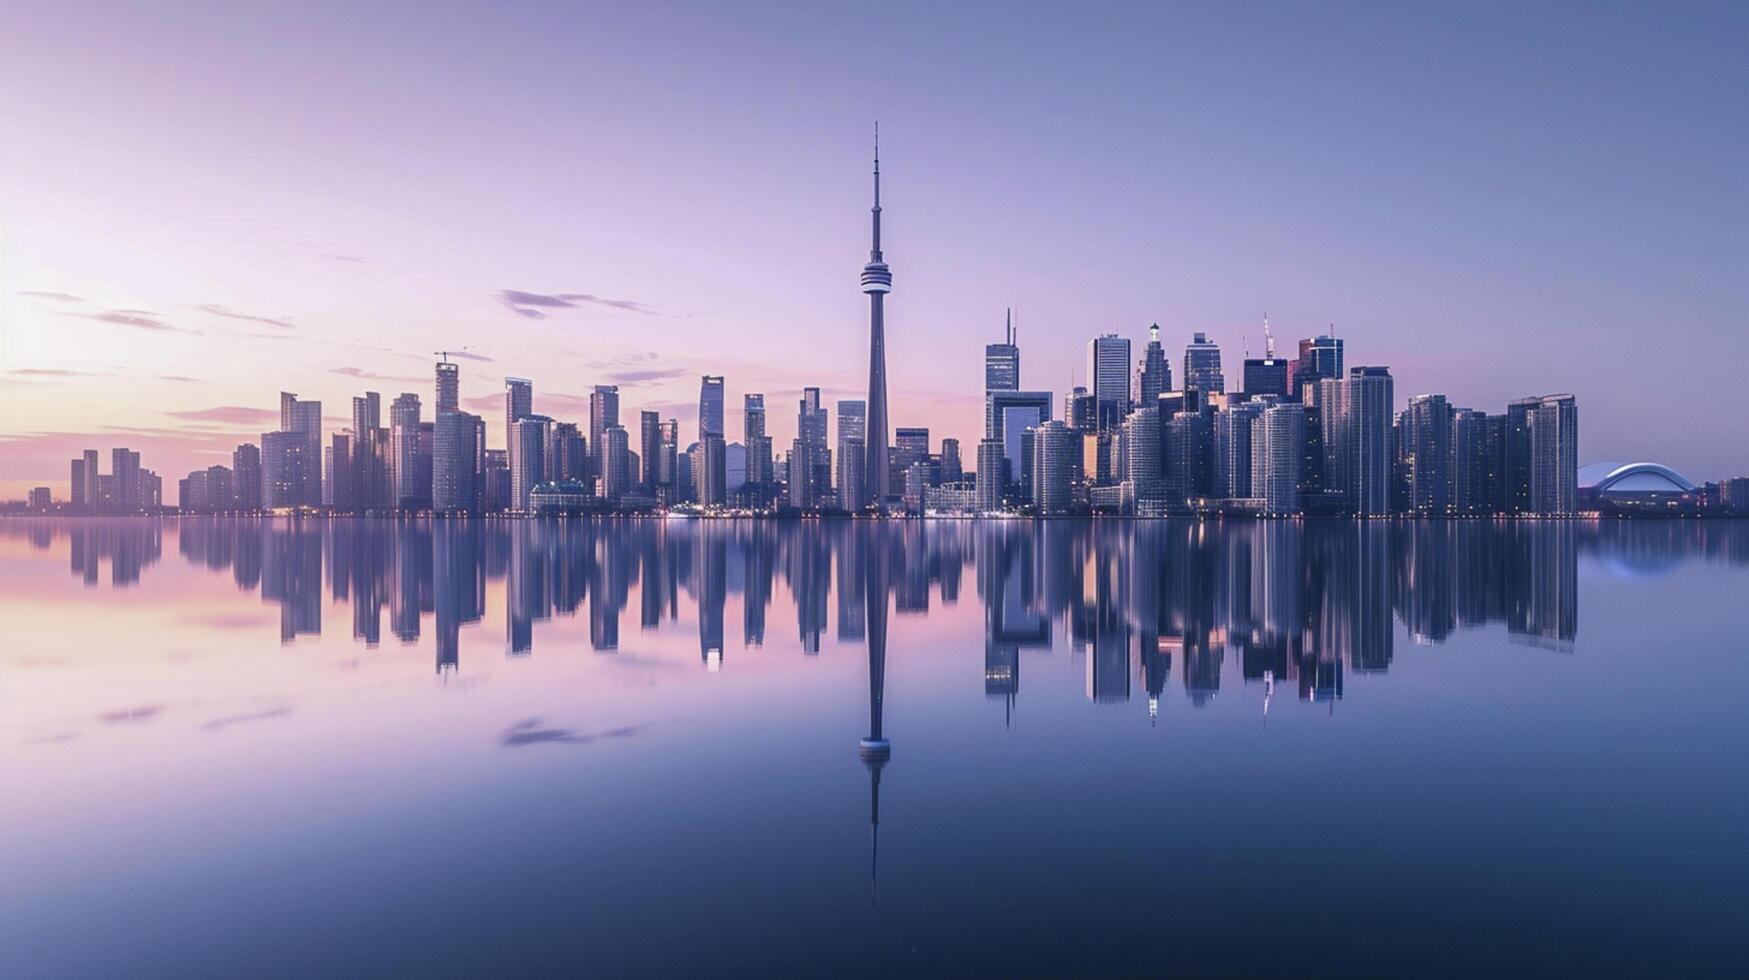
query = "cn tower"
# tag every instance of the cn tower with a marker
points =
(877, 281)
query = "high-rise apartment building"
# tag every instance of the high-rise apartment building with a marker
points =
(1278, 436)
(650, 448)
(518, 405)
(852, 436)
(1427, 454)
(246, 476)
(603, 415)
(455, 481)
(528, 442)
(1053, 448)
(1366, 423)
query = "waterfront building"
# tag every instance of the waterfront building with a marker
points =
(1052, 467)
(1278, 435)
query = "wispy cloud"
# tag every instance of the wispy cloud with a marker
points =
(139, 319)
(58, 373)
(530, 732)
(534, 305)
(219, 724)
(57, 297)
(463, 355)
(178, 378)
(345, 258)
(642, 376)
(230, 414)
(217, 310)
(355, 372)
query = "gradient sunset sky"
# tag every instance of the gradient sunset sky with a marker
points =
(202, 204)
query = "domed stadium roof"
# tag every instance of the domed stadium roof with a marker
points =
(1632, 478)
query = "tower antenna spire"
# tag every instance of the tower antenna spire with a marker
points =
(1268, 338)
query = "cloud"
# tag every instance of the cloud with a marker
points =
(529, 732)
(345, 258)
(531, 305)
(218, 724)
(57, 297)
(123, 716)
(142, 319)
(462, 355)
(353, 372)
(176, 377)
(646, 375)
(58, 373)
(229, 414)
(483, 403)
(217, 310)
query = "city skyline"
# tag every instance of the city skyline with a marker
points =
(229, 241)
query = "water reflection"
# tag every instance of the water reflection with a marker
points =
(1291, 604)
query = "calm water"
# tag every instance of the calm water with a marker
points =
(237, 747)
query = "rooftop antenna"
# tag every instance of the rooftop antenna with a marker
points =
(1009, 329)
(1268, 338)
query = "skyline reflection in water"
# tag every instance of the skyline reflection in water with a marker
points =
(611, 718)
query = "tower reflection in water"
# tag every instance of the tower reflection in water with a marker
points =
(1280, 603)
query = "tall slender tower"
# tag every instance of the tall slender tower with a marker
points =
(877, 281)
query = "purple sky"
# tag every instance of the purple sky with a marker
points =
(201, 204)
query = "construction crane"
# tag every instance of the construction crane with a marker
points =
(446, 353)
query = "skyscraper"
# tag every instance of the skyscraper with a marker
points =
(449, 389)
(1053, 448)
(877, 281)
(603, 415)
(1233, 448)
(1002, 361)
(1144, 448)
(1470, 476)
(528, 440)
(1366, 423)
(304, 417)
(1266, 376)
(246, 476)
(710, 406)
(1320, 358)
(910, 445)
(952, 469)
(1554, 455)
(1278, 436)
(992, 469)
(1427, 451)
(455, 486)
(1108, 371)
(760, 465)
(412, 460)
(852, 441)
(616, 473)
(650, 447)
(518, 405)
(1202, 365)
(1155, 376)
(1008, 416)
